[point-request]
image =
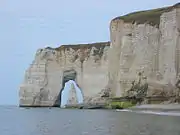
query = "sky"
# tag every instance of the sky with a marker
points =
(27, 25)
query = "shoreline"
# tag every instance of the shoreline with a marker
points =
(156, 107)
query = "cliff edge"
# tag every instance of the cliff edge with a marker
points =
(44, 80)
(145, 43)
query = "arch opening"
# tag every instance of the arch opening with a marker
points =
(71, 94)
(69, 88)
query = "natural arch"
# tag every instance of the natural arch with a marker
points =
(71, 94)
(67, 75)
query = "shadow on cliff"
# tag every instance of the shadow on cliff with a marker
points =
(57, 102)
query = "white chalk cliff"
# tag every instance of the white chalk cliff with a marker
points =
(147, 42)
(52, 68)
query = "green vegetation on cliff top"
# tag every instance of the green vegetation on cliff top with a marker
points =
(151, 17)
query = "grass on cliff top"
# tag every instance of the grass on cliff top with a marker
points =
(77, 46)
(151, 17)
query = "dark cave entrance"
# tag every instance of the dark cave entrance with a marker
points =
(67, 75)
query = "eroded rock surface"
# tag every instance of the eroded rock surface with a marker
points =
(146, 42)
(86, 64)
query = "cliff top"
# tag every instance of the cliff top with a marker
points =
(81, 46)
(151, 17)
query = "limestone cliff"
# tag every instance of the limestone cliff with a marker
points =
(146, 42)
(149, 42)
(52, 67)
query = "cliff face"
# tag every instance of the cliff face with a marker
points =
(147, 42)
(52, 67)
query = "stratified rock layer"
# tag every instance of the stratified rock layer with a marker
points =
(148, 42)
(52, 67)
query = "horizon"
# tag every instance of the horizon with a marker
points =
(27, 26)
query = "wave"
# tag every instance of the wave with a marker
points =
(151, 112)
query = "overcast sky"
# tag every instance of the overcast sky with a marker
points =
(26, 25)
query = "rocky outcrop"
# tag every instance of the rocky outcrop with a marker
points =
(148, 42)
(145, 42)
(53, 67)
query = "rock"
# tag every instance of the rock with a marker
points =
(146, 42)
(44, 80)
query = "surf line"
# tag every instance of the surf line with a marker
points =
(151, 112)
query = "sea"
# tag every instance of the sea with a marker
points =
(56, 121)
